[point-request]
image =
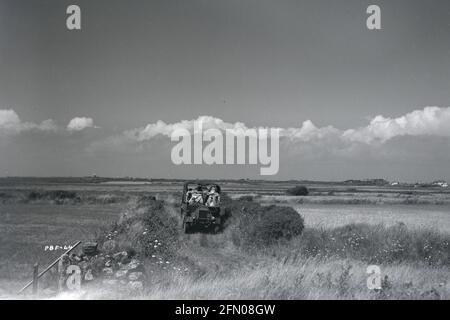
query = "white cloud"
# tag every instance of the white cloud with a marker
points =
(429, 121)
(10, 124)
(432, 121)
(161, 128)
(308, 131)
(9, 120)
(47, 125)
(80, 123)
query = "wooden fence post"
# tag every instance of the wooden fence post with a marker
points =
(49, 267)
(35, 278)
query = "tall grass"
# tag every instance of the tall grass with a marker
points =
(280, 231)
(265, 252)
(143, 225)
(307, 279)
(371, 244)
(63, 197)
(311, 278)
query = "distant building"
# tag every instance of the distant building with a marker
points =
(442, 184)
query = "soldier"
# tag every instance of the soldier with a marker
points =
(197, 196)
(213, 197)
(189, 194)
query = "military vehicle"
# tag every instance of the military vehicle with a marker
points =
(201, 209)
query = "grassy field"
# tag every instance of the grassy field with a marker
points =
(414, 216)
(28, 230)
(405, 231)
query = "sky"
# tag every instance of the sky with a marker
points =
(352, 103)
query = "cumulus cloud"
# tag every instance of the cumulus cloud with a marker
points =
(308, 132)
(80, 124)
(161, 128)
(9, 120)
(429, 121)
(10, 124)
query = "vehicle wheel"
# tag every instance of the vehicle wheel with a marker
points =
(187, 226)
(215, 229)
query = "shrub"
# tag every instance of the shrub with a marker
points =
(61, 194)
(148, 227)
(105, 199)
(4, 195)
(33, 195)
(257, 226)
(245, 198)
(298, 191)
(58, 196)
(52, 195)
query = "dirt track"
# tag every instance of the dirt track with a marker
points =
(212, 252)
